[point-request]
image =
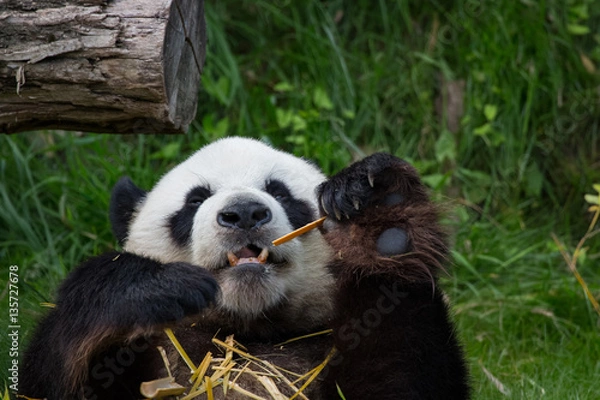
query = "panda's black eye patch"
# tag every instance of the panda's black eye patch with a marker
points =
(182, 222)
(299, 212)
(197, 196)
(278, 190)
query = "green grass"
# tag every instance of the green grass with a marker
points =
(333, 81)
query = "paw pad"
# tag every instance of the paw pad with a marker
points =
(393, 199)
(392, 242)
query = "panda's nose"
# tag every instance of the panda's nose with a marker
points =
(244, 215)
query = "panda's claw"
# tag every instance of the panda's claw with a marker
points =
(337, 213)
(367, 183)
(371, 179)
(323, 206)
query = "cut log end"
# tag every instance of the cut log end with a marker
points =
(183, 58)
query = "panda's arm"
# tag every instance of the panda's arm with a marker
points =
(109, 299)
(392, 331)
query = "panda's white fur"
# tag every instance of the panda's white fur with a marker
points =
(237, 169)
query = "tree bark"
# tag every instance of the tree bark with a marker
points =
(114, 66)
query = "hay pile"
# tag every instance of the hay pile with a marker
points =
(222, 373)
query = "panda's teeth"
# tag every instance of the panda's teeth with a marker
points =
(262, 257)
(233, 260)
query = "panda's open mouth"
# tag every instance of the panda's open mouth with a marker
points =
(250, 254)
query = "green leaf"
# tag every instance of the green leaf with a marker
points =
(592, 199)
(309, 115)
(298, 123)
(596, 187)
(215, 129)
(490, 111)
(169, 152)
(284, 117)
(576, 29)
(284, 87)
(445, 147)
(349, 114)
(483, 130)
(477, 177)
(435, 181)
(221, 127)
(219, 89)
(340, 393)
(298, 140)
(580, 11)
(321, 99)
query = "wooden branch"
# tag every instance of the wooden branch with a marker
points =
(115, 66)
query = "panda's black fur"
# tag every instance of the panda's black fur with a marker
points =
(369, 274)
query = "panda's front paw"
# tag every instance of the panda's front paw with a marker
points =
(380, 179)
(381, 221)
(179, 290)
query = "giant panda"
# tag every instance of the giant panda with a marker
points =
(198, 258)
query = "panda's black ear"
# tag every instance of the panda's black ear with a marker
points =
(125, 199)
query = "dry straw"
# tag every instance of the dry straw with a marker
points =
(222, 373)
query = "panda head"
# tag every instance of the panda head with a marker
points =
(221, 209)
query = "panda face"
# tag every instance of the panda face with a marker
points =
(221, 209)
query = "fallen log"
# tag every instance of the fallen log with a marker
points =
(114, 66)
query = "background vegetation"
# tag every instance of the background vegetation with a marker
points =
(496, 102)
